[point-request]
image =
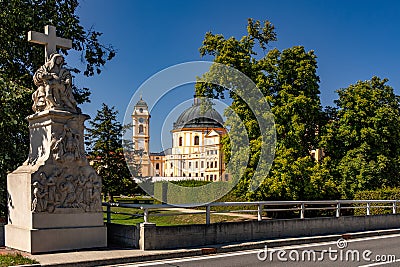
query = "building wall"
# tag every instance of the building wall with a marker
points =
(157, 167)
(195, 153)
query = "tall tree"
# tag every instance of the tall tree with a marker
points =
(20, 59)
(289, 83)
(362, 140)
(293, 93)
(107, 154)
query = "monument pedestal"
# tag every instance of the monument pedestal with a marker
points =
(54, 198)
(49, 240)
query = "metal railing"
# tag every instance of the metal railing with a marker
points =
(262, 206)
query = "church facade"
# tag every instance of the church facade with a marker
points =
(196, 151)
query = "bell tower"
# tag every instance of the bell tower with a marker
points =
(141, 135)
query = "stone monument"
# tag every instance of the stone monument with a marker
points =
(54, 198)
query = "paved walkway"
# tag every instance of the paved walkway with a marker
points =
(111, 256)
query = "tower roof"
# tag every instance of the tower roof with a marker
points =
(141, 103)
(195, 117)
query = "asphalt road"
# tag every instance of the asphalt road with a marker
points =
(372, 251)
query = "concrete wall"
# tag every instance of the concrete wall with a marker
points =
(122, 235)
(167, 237)
(1, 235)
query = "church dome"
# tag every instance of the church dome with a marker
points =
(195, 117)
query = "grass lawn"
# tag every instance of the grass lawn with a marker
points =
(14, 259)
(174, 219)
(123, 217)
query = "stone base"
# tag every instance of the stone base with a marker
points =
(56, 239)
(41, 232)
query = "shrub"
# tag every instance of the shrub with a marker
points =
(379, 194)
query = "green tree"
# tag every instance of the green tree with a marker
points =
(107, 155)
(289, 83)
(362, 140)
(20, 59)
(294, 98)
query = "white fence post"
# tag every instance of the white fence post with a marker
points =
(146, 215)
(302, 211)
(338, 210)
(394, 207)
(368, 208)
(259, 212)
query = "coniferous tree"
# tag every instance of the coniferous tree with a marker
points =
(106, 153)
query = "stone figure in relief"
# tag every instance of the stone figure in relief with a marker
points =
(40, 194)
(96, 197)
(88, 187)
(80, 186)
(59, 191)
(67, 190)
(57, 146)
(66, 147)
(54, 86)
(72, 151)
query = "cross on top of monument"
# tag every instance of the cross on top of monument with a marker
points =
(50, 40)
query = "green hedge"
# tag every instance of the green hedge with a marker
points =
(190, 183)
(379, 194)
(174, 193)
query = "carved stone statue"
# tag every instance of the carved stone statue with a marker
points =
(54, 86)
(55, 193)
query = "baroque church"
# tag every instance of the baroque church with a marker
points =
(196, 145)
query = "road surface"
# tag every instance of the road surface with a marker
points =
(371, 251)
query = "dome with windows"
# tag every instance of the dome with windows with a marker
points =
(197, 117)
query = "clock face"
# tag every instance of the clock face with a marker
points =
(141, 120)
(141, 110)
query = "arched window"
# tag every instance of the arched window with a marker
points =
(180, 141)
(196, 140)
(157, 166)
(140, 128)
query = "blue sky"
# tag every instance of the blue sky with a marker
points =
(353, 40)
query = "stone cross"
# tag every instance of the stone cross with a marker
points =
(50, 40)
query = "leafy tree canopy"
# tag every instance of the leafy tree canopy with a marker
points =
(289, 82)
(363, 139)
